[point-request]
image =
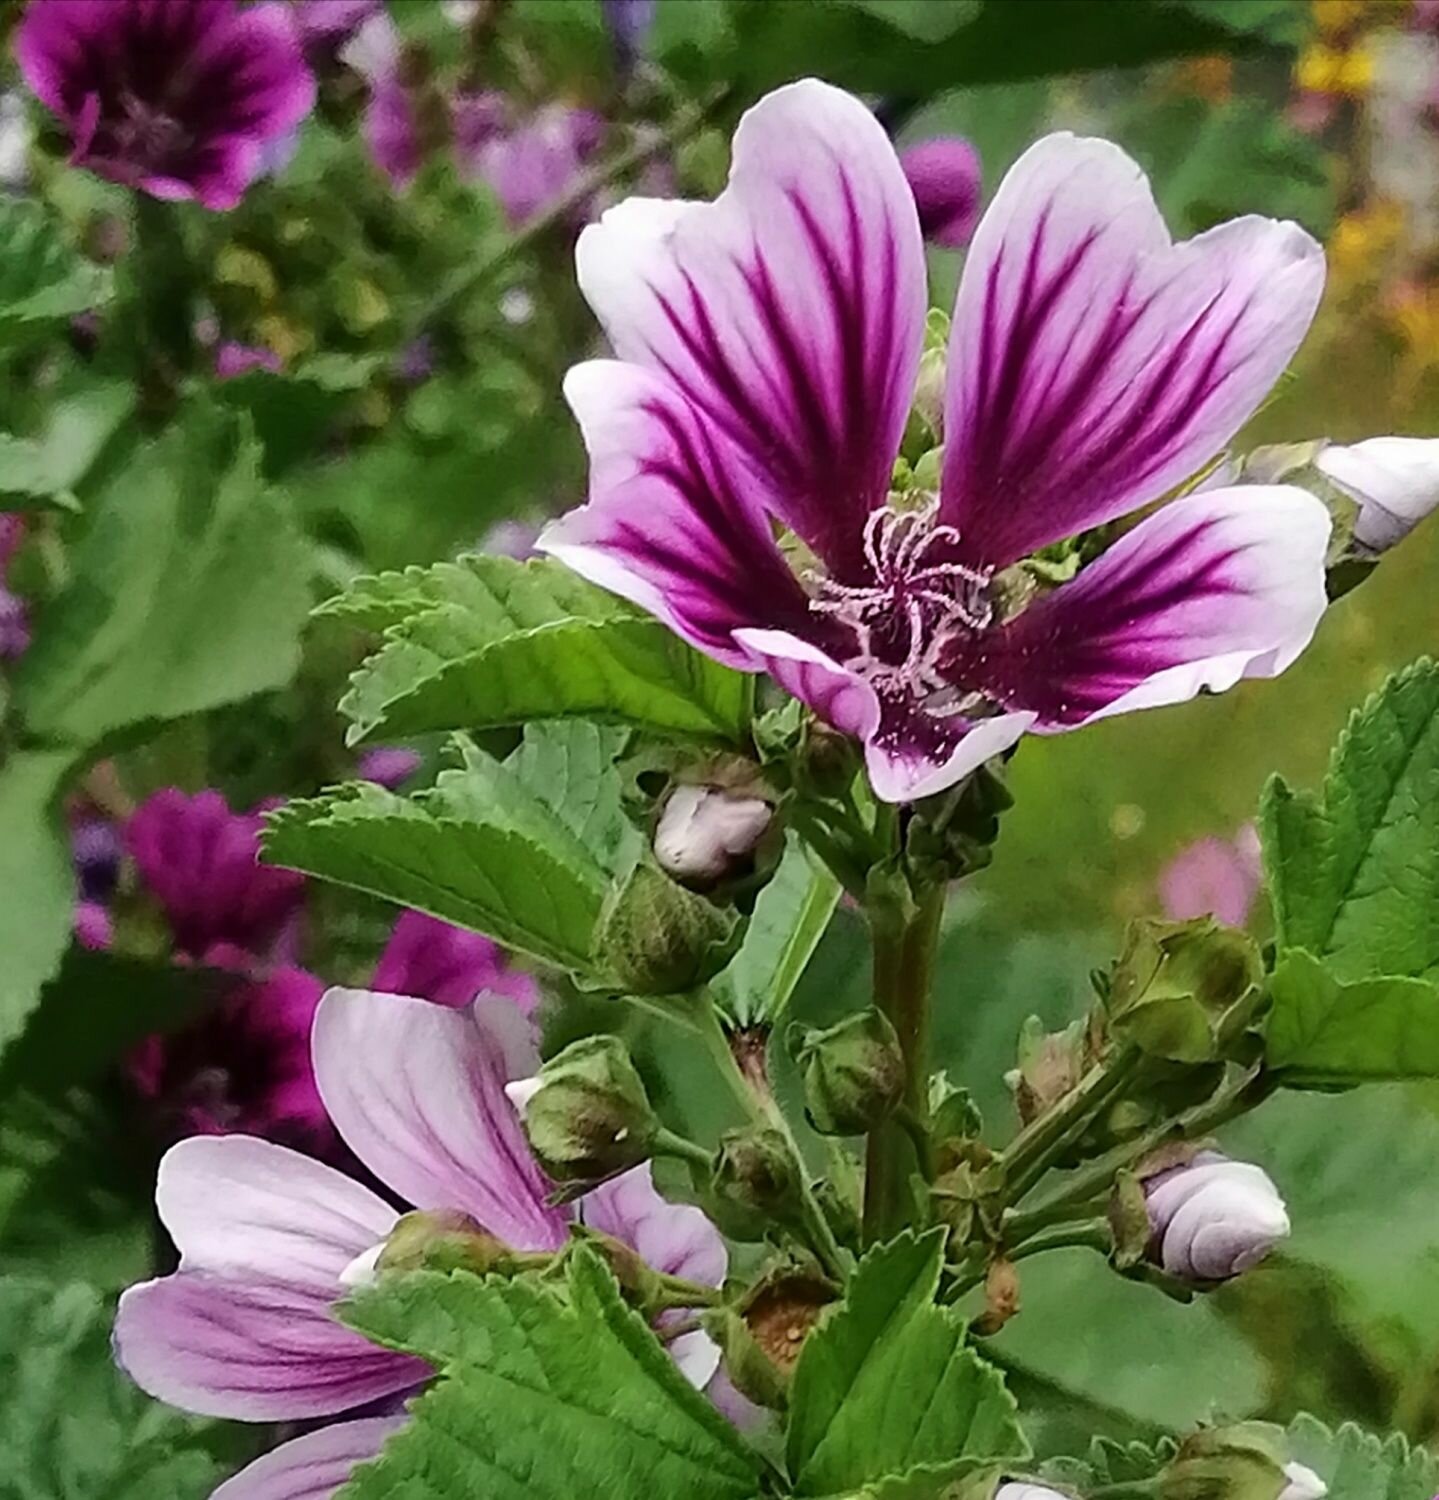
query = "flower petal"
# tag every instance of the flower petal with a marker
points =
(1221, 585)
(417, 1093)
(313, 1467)
(789, 312)
(235, 1205)
(1094, 364)
(673, 522)
(674, 1238)
(256, 1350)
(840, 697)
(1394, 480)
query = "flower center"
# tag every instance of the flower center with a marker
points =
(916, 603)
(148, 134)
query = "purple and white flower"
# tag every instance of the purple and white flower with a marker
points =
(270, 1240)
(768, 345)
(178, 98)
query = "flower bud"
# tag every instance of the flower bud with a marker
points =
(444, 1240)
(853, 1073)
(1019, 1490)
(1212, 1218)
(1393, 480)
(657, 938)
(1241, 1462)
(586, 1115)
(1304, 1484)
(754, 1170)
(944, 176)
(706, 834)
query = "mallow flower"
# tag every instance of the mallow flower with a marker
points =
(178, 98)
(271, 1240)
(1214, 877)
(529, 160)
(767, 350)
(1393, 480)
(944, 174)
(433, 960)
(1213, 1218)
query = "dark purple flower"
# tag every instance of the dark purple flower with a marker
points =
(944, 175)
(430, 960)
(199, 860)
(14, 625)
(628, 23)
(96, 849)
(768, 346)
(175, 97)
(528, 161)
(245, 1068)
(388, 766)
(232, 359)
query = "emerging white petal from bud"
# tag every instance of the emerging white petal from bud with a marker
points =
(1026, 1492)
(521, 1091)
(1394, 481)
(1213, 1218)
(704, 832)
(1304, 1484)
(364, 1268)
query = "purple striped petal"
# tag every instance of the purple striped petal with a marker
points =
(313, 1467)
(675, 1238)
(256, 1350)
(238, 1206)
(674, 523)
(1221, 585)
(417, 1093)
(789, 312)
(1094, 364)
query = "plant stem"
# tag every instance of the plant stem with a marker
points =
(670, 1143)
(1093, 1233)
(751, 1088)
(470, 278)
(904, 950)
(1036, 1147)
(681, 1293)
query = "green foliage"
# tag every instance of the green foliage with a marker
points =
(72, 1425)
(887, 1386)
(36, 878)
(188, 591)
(1358, 1466)
(790, 917)
(489, 641)
(1324, 1031)
(42, 280)
(1354, 870)
(44, 470)
(543, 1396)
(486, 848)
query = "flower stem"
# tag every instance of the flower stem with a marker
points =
(470, 278)
(670, 1143)
(1091, 1233)
(904, 950)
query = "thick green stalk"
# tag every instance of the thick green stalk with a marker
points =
(904, 950)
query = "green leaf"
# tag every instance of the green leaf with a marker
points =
(1359, 1466)
(489, 641)
(37, 881)
(888, 1383)
(480, 849)
(1323, 1031)
(542, 1397)
(189, 590)
(790, 917)
(1354, 870)
(73, 1426)
(570, 766)
(42, 279)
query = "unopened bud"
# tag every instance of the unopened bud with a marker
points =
(706, 835)
(1019, 1490)
(1050, 1067)
(445, 1240)
(853, 1073)
(755, 1169)
(1212, 1218)
(586, 1115)
(944, 176)
(657, 938)
(1242, 1462)
(1393, 480)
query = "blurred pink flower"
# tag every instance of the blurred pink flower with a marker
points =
(529, 161)
(232, 359)
(1214, 877)
(388, 766)
(430, 960)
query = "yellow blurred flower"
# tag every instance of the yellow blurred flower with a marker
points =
(1360, 240)
(1344, 71)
